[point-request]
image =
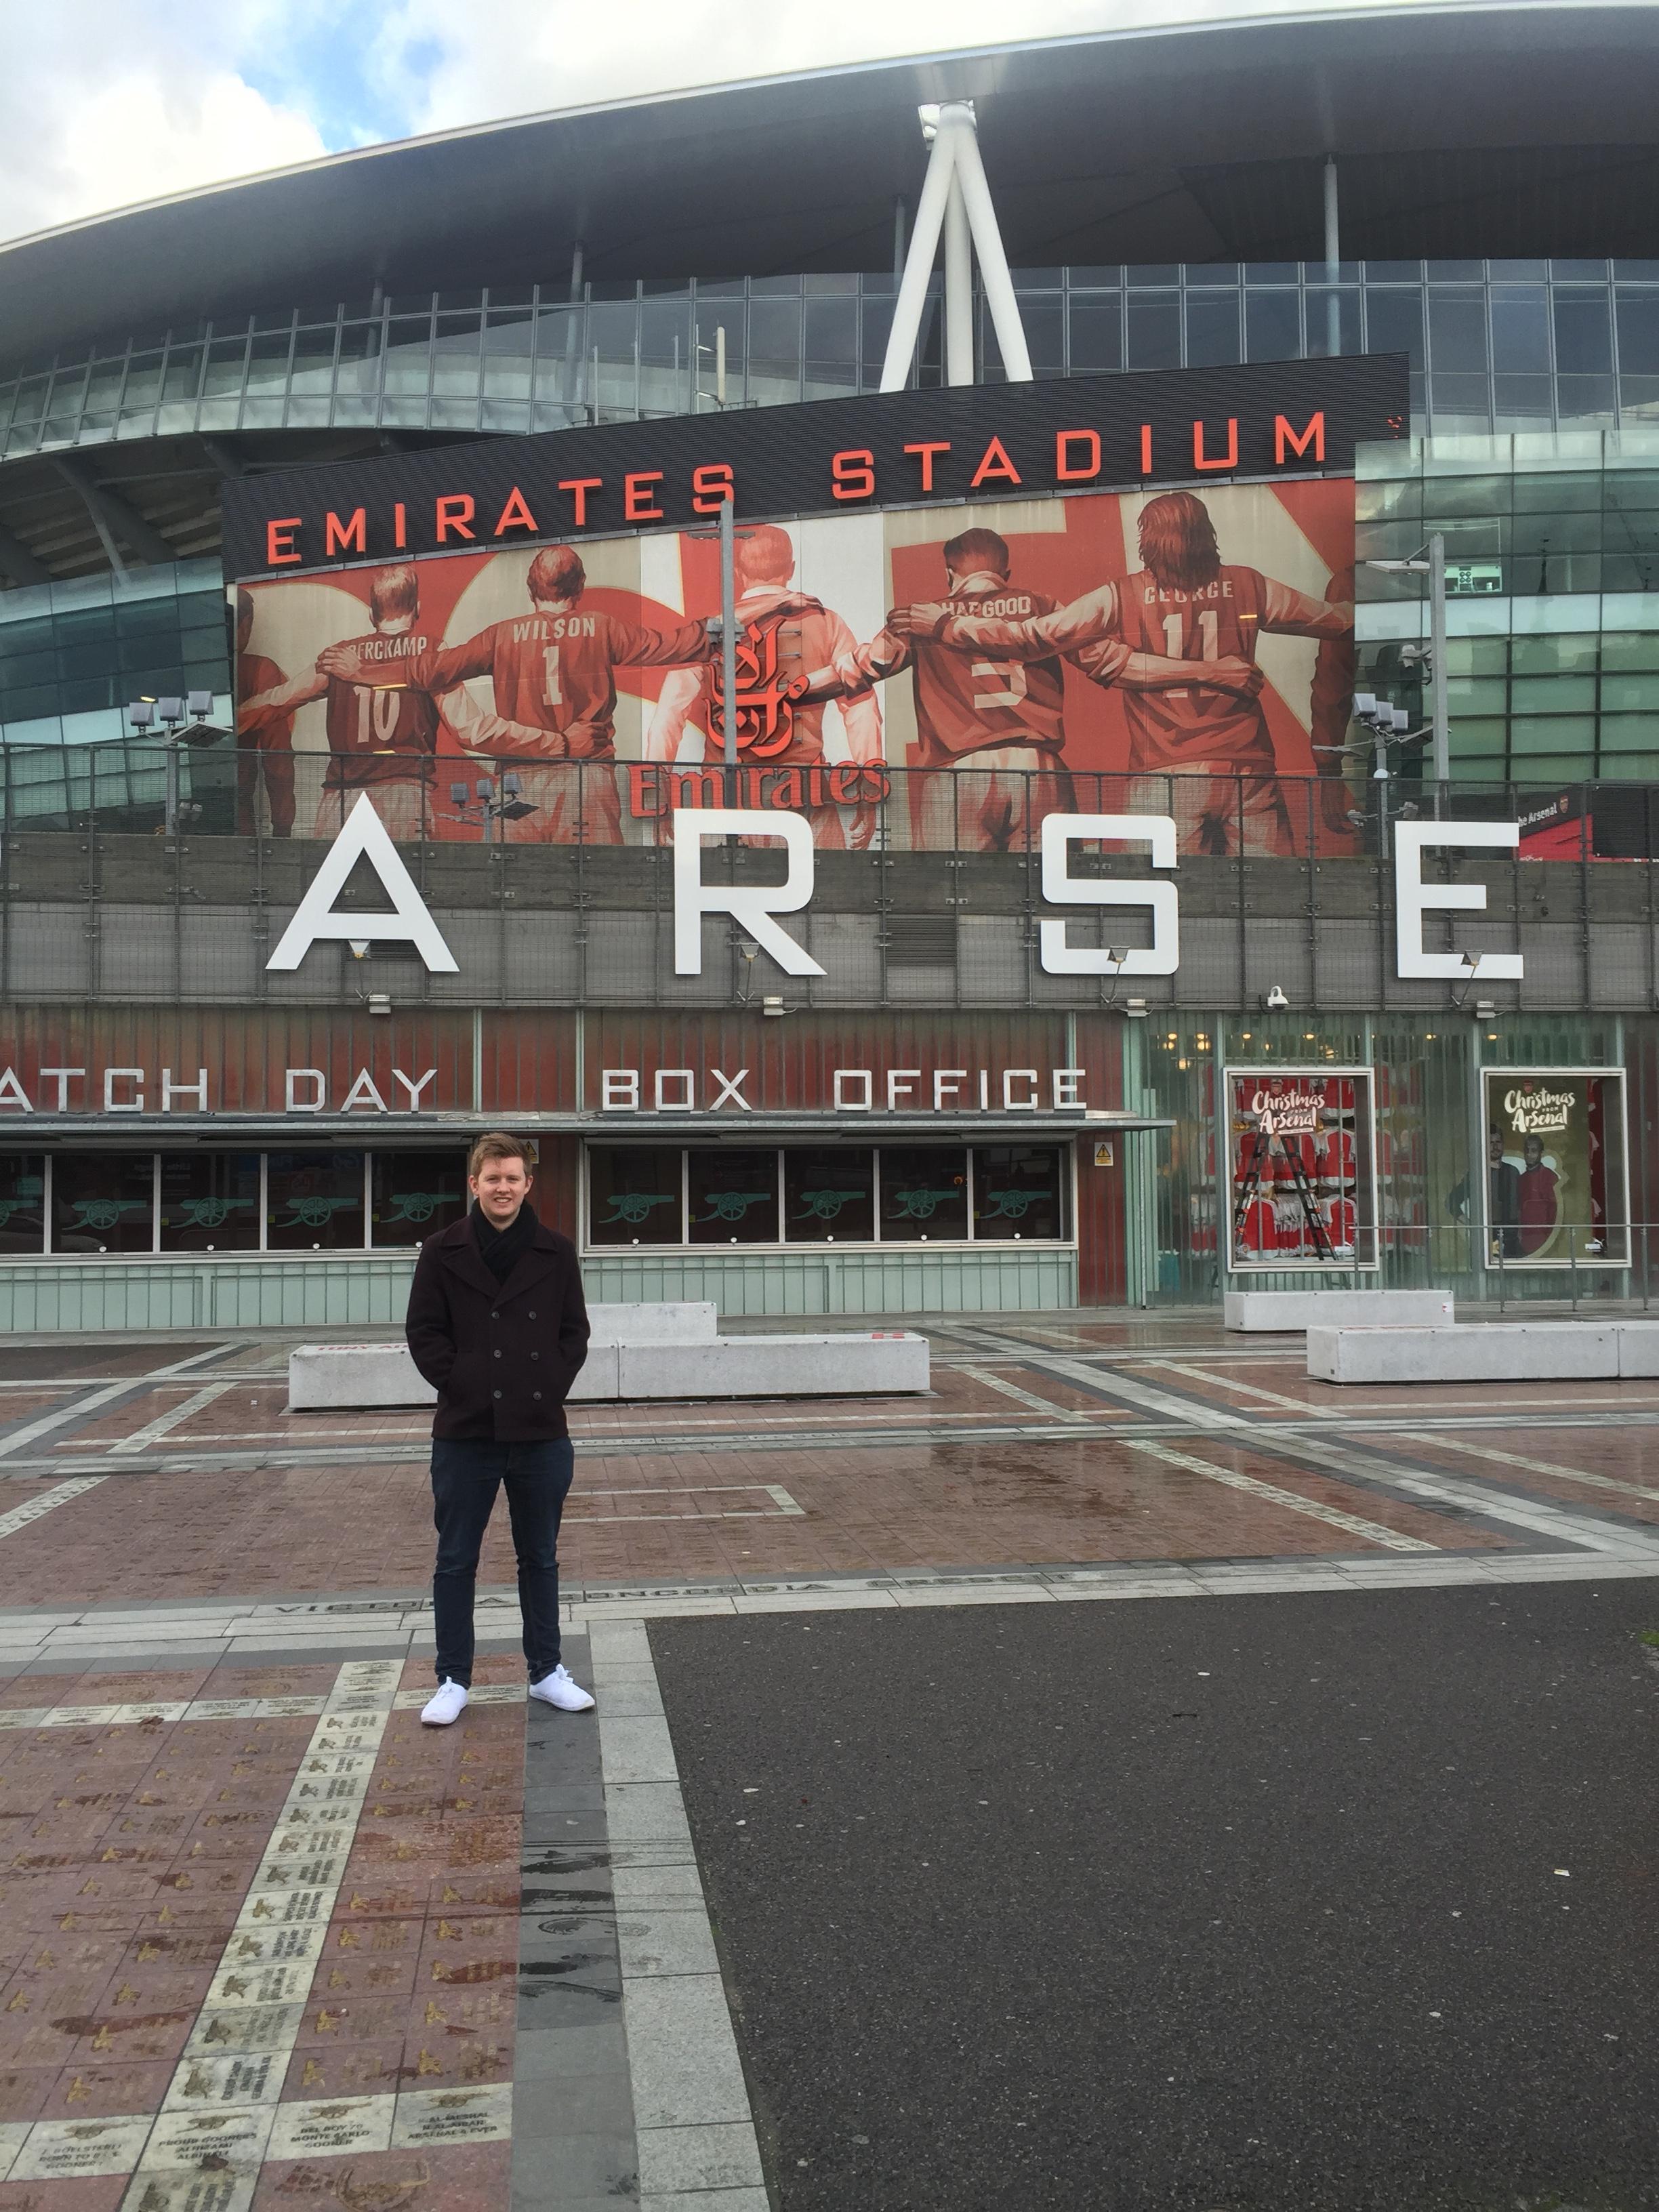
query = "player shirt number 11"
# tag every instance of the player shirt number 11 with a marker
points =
(1209, 638)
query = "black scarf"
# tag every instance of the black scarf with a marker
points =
(499, 1249)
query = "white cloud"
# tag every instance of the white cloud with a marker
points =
(106, 102)
(102, 104)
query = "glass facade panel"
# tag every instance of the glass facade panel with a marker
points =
(23, 1203)
(924, 1193)
(633, 1195)
(414, 1194)
(314, 1201)
(732, 1196)
(1018, 1191)
(1503, 352)
(828, 1194)
(209, 1202)
(103, 1202)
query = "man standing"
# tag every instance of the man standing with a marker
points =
(497, 1324)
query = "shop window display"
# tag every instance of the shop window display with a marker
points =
(1556, 1187)
(415, 1194)
(924, 1193)
(731, 1197)
(313, 1201)
(209, 1202)
(635, 1195)
(1016, 1193)
(828, 1194)
(103, 1202)
(22, 1202)
(1301, 1164)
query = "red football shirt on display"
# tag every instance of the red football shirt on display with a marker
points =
(1185, 726)
(373, 725)
(267, 748)
(556, 671)
(967, 705)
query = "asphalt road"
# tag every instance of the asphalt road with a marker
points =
(1322, 1904)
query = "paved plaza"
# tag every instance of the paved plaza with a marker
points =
(896, 1868)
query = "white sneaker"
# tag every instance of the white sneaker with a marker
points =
(557, 1689)
(447, 1704)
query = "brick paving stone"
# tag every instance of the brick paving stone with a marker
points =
(102, 2193)
(475, 2178)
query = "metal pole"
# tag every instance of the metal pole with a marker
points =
(959, 290)
(918, 264)
(1333, 261)
(999, 297)
(1438, 666)
(173, 787)
(898, 241)
(729, 648)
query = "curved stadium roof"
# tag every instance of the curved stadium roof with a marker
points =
(1493, 129)
(1506, 130)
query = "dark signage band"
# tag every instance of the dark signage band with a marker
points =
(895, 449)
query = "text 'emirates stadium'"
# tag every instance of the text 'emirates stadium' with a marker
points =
(1020, 679)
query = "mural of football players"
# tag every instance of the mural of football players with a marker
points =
(1001, 717)
(382, 722)
(553, 671)
(1185, 603)
(264, 756)
(800, 645)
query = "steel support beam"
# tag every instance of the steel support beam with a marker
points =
(18, 563)
(114, 518)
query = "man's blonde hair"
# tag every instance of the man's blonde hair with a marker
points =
(497, 1145)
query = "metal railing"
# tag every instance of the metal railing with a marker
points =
(464, 798)
(1578, 1267)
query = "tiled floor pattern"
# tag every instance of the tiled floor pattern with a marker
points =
(255, 1937)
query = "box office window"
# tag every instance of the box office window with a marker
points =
(829, 1195)
(1017, 1193)
(635, 1195)
(1556, 1186)
(924, 1193)
(313, 1201)
(415, 1194)
(209, 1202)
(1301, 1169)
(732, 1196)
(103, 1202)
(22, 1202)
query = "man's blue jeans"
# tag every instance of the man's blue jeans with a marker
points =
(466, 1473)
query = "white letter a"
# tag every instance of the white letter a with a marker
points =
(364, 837)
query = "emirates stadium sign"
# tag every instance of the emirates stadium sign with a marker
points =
(957, 613)
(904, 448)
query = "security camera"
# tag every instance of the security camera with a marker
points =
(1275, 1002)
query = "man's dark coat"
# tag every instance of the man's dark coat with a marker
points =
(502, 1355)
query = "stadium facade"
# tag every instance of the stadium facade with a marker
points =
(1039, 970)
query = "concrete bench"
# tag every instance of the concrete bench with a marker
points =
(666, 1360)
(1297, 1309)
(1496, 1351)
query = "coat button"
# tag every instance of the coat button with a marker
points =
(498, 1394)
(532, 1313)
(537, 1395)
(495, 1316)
(535, 1355)
(498, 1351)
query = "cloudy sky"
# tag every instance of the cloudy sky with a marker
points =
(105, 102)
